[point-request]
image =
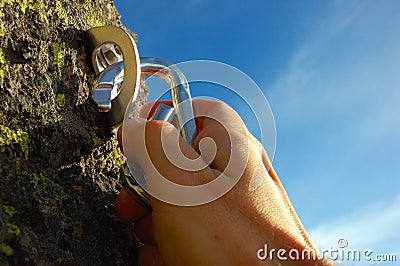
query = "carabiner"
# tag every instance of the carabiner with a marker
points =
(118, 69)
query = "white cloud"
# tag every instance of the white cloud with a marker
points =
(374, 226)
(341, 89)
(350, 60)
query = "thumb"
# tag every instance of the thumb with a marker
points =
(156, 150)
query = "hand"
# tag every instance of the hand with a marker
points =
(227, 231)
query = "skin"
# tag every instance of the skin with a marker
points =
(226, 231)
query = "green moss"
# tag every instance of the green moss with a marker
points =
(17, 163)
(33, 5)
(23, 142)
(62, 14)
(91, 78)
(10, 210)
(2, 27)
(94, 19)
(116, 157)
(60, 197)
(2, 59)
(8, 136)
(6, 249)
(82, 51)
(68, 254)
(36, 178)
(4, 2)
(58, 48)
(96, 141)
(95, 22)
(13, 229)
(60, 99)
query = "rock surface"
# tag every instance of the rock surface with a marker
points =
(59, 162)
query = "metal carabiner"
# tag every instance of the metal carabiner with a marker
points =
(180, 95)
(116, 63)
(118, 69)
(115, 60)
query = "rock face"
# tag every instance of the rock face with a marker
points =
(59, 161)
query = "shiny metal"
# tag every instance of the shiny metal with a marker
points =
(108, 85)
(180, 93)
(118, 68)
(107, 55)
(114, 52)
(128, 181)
(163, 112)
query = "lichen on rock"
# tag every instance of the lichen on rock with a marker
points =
(58, 159)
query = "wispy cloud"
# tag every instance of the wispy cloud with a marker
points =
(374, 227)
(341, 88)
(345, 65)
(336, 107)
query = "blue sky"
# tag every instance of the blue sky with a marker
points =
(331, 73)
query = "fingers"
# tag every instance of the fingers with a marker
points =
(222, 125)
(144, 230)
(215, 120)
(150, 255)
(222, 142)
(201, 108)
(220, 149)
(160, 150)
(128, 207)
(130, 210)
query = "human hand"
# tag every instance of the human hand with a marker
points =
(227, 231)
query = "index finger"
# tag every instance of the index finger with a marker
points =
(201, 109)
(129, 208)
